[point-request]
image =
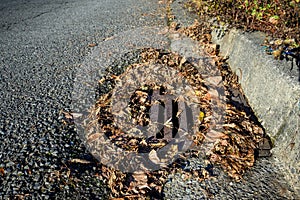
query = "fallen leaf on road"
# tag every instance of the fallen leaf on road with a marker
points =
(153, 157)
(81, 161)
(2, 172)
(92, 44)
(69, 115)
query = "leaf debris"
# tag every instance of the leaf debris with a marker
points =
(234, 148)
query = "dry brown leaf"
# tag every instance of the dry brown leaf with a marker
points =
(2, 171)
(81, 161)
(69, 115)
(92, 44)
(140, 177)
(93, 137)
(230, 125)
(273, 20)
(153, 157)
(76, 115)
(109, 38)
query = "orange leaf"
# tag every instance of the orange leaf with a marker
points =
(2, 172)
(92, 45)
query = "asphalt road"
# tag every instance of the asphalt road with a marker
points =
(42, 42)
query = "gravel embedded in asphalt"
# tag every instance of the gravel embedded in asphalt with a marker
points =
(42, 44)
(266, 180)
(263, 181)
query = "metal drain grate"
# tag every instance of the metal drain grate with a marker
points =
(173, 115)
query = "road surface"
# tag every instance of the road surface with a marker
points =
(42, 42)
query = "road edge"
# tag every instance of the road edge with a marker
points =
(273, 95)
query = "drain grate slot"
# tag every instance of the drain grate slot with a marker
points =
(170, 115)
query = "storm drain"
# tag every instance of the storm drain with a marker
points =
(156, 107)
(152, 114)
(170, 110)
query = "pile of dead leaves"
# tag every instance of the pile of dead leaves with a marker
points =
(140, 103)
(234, 149)
(148, 183)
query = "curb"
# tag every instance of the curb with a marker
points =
(273, 93)
(271, 87)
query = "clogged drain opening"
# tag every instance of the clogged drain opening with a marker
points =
(143, 105)
(233, 151)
